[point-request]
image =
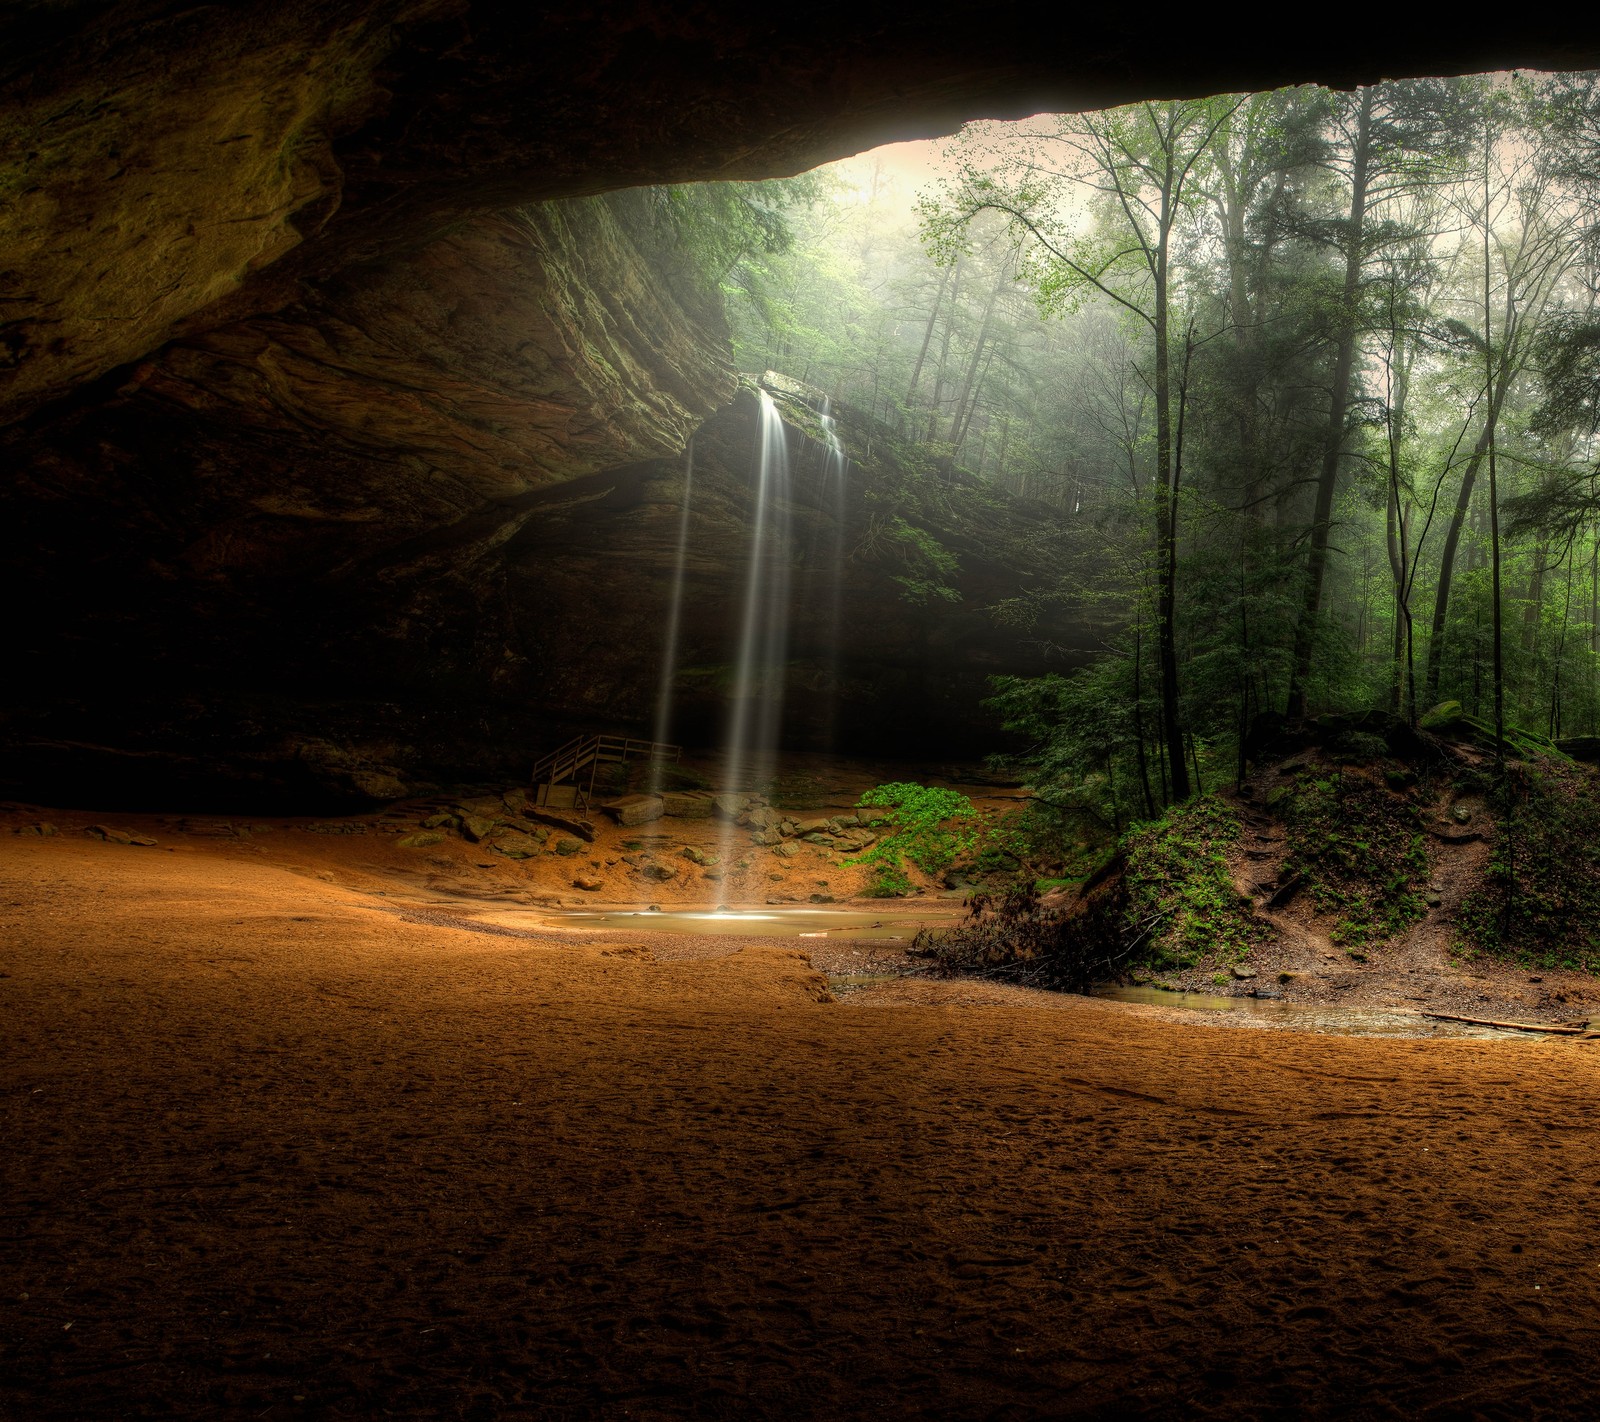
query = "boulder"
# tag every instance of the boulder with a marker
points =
(477, 828)
(629, 810)
(588, 883)
(660, 873)
(787, 850)
(698, 856)
(729, 807)
(116, 836)
(522, 826)
(420, 840)
(761, 817)
(804, 827)
(687, 804)
(827, 840)
(434, 822)
(766, 836)
(582, 828)
(514, 844)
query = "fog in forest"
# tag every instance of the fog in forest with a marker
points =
(1314, 372)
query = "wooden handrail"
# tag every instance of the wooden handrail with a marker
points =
(583, 751)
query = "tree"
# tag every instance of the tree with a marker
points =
(1094, 202)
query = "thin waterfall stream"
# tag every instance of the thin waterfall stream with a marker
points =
(758, 683)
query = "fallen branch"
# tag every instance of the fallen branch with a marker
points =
(1510, 1026)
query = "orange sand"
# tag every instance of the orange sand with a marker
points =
(273, 1150)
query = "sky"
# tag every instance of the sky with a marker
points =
(904, 167)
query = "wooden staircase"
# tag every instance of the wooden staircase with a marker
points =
(565, 778)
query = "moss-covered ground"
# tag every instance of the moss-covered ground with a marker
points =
(1358, 846)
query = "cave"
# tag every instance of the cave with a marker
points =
(573, 849)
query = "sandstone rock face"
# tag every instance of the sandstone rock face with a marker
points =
(287, 539)
(527, 349)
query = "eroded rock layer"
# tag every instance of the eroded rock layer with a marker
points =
(294, 526)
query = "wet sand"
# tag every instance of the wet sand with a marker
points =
(275, 1147)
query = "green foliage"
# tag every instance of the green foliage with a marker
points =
(929, 563)
(720, 225)
(926, 824)
(1181, 899)
(1541, 903)
(1359, 849)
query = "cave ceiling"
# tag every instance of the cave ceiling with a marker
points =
(166, 168)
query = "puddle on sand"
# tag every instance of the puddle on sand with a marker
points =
(816, 926)
(1315, 1017)
(843, 984)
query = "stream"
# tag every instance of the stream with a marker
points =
(1313, 1017)
(807, 923)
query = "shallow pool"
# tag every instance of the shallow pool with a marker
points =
(804, 923)
(1315, 1017)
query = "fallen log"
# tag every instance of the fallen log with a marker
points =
(1510, 1026)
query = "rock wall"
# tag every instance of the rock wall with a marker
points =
(893, 675)
(290, 532)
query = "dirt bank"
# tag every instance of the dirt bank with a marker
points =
(276, 1147)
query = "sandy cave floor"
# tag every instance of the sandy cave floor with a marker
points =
(287, 1133)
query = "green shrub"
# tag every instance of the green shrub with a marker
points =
(925, 824)
(1182, 905)
(1359, 849)
(1540, 904)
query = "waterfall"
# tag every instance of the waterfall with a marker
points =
(758, 684)
(669, 652)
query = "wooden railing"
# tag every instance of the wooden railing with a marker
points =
(567, 763)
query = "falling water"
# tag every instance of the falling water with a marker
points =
(764, 630)
(669, 652)
(835, 468)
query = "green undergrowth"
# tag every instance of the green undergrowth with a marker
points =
(1358, 848)
(1540, 902)
(1182, 905)
(925, 825)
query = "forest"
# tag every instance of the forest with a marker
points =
(1320, 371)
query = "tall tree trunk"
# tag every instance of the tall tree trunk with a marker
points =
(1166, 494)
(1533, 602)
(927, 339)
(959, 418)
(1494, 489)
(944, 352)
(1138, 722)
(1452, 539)
(965, 428)
(1338, 409)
